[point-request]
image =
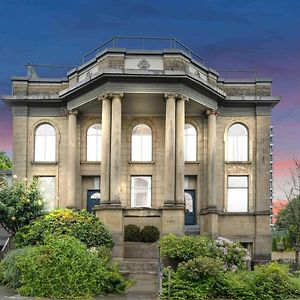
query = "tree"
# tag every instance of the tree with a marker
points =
(5, 161)
(20, 203)
(289, 218)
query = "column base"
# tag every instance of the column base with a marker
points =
(172, 220)
(169, 203)
(112, 217)
(209, 223)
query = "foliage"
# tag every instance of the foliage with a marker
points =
(200, 268)
(184, 248)
(233, 254)
(274, 244)
(265, 282)
(20, 203)
(2, 280)
(149, 233)
(62, 268)
(132, 233)
(79, 224)
(289, 219)
(5, 161)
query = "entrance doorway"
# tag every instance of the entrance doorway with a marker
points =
(93, 198)
(189, 200)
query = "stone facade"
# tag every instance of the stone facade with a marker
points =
(165, 90)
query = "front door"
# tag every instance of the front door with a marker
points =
(189, 200)
(93, 198)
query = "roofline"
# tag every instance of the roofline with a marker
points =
(50, 80)
(241, 81)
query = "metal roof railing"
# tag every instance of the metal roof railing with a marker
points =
(141, 43)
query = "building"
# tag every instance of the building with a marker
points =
(161, 138)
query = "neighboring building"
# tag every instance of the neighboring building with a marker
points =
(161, 138)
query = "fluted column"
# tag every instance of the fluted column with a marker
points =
(180, 121)
(170, 150)
(105, 148)
(211, 159)
(72, 157)
(115, 161)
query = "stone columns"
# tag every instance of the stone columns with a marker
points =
(180, 121)
(115, 168)
(170, 150)
(72, 159)
(211, 160)
(105, 149)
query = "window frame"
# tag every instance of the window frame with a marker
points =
(99, 148)
(131, 144)
(196, 143)
(36, 127)
(131, 190)
(238, 188)
(227, 143)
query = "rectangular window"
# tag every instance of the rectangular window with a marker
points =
(237, 194)
(46, 186)
(141, 191)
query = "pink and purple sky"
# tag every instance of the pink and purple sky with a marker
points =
(261, 35)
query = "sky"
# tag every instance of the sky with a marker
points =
(260, 35)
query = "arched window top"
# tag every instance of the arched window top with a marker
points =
(93, 140)
(237, 143)
(45, 143)
(141, 129)
(45, 130)
(95, 129)
(190, 142)
(237, 129)
(141, 143)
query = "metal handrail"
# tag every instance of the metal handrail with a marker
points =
(114, 41)
(5, 248)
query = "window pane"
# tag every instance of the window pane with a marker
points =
(238, 181)
(237, 194)
(93, 148)
(190, 143)
(237, 143)
(47, 190)
(45, 143)
(141, 143)
(141, 191)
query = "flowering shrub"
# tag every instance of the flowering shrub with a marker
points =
(79, 224)
(20, 203)
(233, 254)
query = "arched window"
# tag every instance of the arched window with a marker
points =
(141, 143)
(237, 147)
(45, 143)
(190, 143)
(93, 143)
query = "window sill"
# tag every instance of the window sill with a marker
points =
(141, 162)
(90, 162)
(44, 163)
(248, 162)
(192, 162)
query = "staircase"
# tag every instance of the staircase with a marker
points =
(142, 269)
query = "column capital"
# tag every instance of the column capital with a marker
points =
(110, 96)
(72, 112)
(212, 112)
(176, 96)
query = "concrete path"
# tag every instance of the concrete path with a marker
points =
(8, 294)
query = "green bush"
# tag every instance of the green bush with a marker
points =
(200, 268)
(184, 248)
(132, 233)
(149, 233)
(63, 268)
(272, 281)
(2, 281)
(79, 224)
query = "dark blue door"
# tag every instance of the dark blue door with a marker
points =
(189, 200)
(93, 198)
